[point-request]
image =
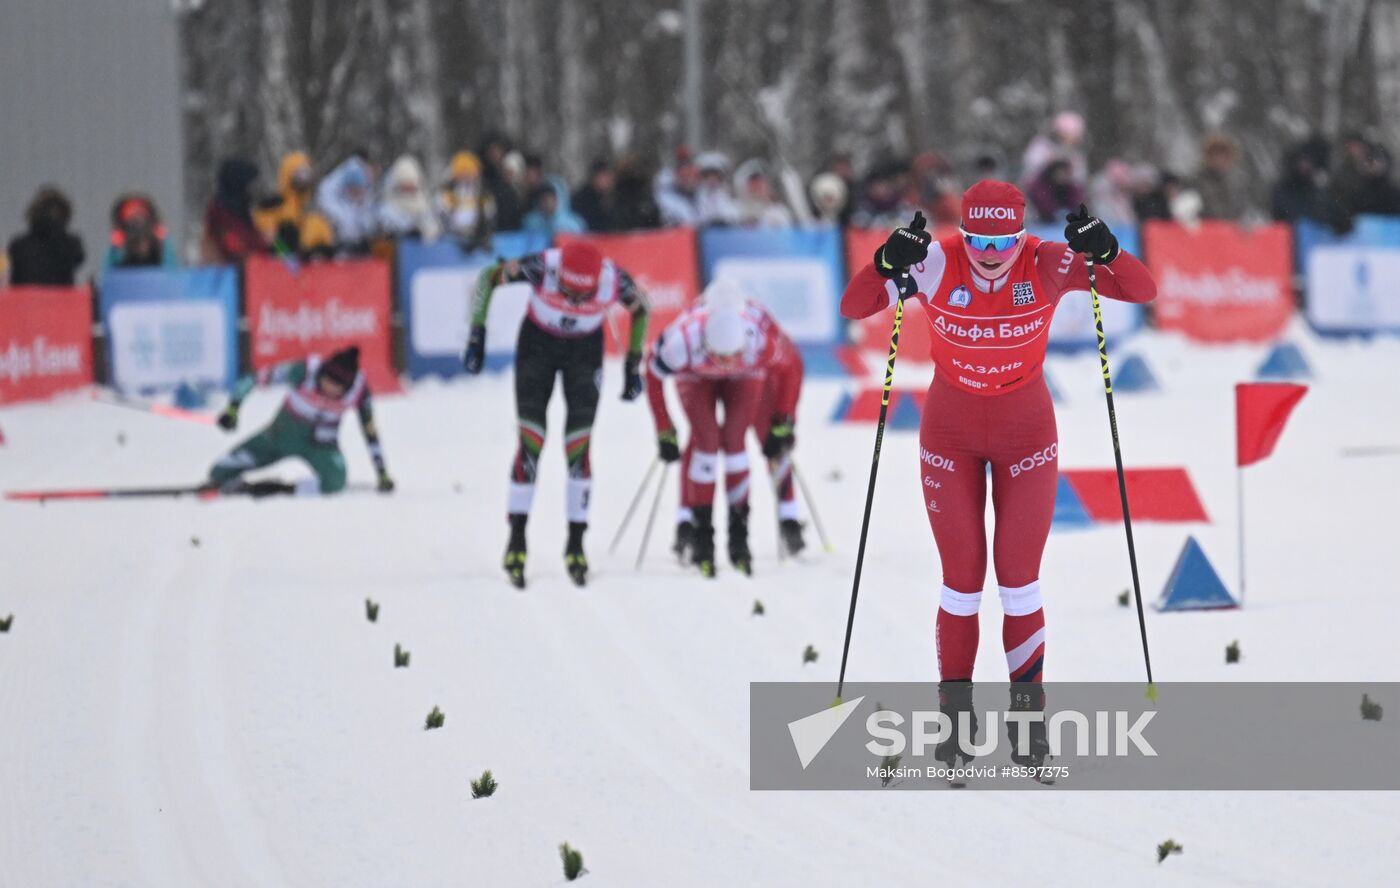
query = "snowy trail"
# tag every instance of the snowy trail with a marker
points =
(223, 714)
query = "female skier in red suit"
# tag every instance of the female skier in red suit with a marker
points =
(989, 293)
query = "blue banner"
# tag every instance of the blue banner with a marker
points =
(1073, 327)
(1367, 231)
(435, 282)
(168, 327)
(795, 272)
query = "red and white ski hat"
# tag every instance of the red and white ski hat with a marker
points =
(993, 208)
(580, 266)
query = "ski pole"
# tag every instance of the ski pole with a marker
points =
(1122, 480)
(651, 517)
(627, 519)
(775, 474)
(811, 507)
(874, 468)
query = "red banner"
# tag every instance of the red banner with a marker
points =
(874, 332)
(1219, 282)
(319, 308)
(663, 263)
(45, 341)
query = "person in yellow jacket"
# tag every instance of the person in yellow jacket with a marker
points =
(467, 210)
(288, 219)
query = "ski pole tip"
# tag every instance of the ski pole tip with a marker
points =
(1151, 691)
(835, 703)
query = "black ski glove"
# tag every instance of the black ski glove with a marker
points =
(476, 350)
(631, 378)
(667, 448)
(1089, 235)
(228, 420)
(780, 438)
(904, 247)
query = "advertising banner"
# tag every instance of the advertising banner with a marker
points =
(1353, 289)
(45, 341)
(1219, 282)
(796, 273)
(168, 326)
(319, 308)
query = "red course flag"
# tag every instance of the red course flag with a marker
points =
(1261, 411)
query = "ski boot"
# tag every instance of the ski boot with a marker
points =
(955, 701)
(790, 531)
(1028, 697)
(684, 545)
(575, 562)
(739, 554)
(515, 552)
(702, 550)
(258, 489)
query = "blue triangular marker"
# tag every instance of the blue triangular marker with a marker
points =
(1285, 361)
(1134, 376)
(1069, 509)
(905, 414)
(1194, 584)
(843, 407)
(187, 397)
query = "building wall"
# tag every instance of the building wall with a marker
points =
(89, 101)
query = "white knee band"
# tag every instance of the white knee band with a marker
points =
(576, 499)
(736, 462)
(1017, 601)
(519, 498)
(703, 467)
(960, 604)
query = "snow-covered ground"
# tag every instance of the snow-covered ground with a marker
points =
(191, 693)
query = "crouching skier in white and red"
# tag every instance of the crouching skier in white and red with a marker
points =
(307, 426)
(573, 287)
(774, 423)
(719, 353)
(989, 293)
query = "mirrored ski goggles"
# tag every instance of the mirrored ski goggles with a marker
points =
(998, 243)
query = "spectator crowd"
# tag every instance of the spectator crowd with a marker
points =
(357, 208)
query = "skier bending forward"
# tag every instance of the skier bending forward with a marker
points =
(726, 351)
(573, 287)
(307, 426)
(989, 292)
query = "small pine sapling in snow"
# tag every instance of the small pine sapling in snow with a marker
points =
(1370, 709)
(573, 862)
(1123, 598)
(758, 610)
(5, 623)
(809, 655)
(194, 541)
(1168, 847)
(1232, 652)
(435, 719)
(372, 610)
(485, 786)
(400, 657)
